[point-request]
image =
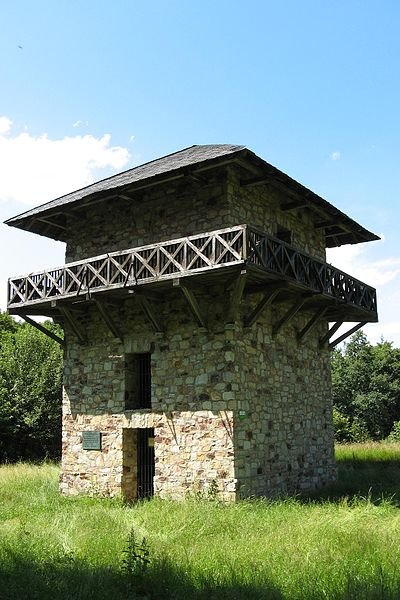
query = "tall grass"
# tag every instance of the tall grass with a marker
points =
(342, 547)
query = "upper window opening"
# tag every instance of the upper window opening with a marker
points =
(137, 381)
(284, 234)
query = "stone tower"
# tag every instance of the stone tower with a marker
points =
(195, 301)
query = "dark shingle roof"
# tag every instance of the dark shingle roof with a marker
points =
(49, 219)
(166, 164)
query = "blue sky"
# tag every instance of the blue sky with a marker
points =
(91, 88)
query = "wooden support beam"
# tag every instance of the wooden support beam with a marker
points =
(73, 323)
(40, 327)
(236, 296)
(108, 320)
(345, 335)
(330, 333)
(288, 316)
(268, 298)
(194, 305)
(312, 323)
(52, 223)
(149, 312)
(327, 224)
(254, 181)
(294, 205)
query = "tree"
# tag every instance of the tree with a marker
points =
(30, 392)
(366, 386)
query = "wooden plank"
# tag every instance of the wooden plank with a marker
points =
(40, 327)
(149, 312)
(266, 301)
(294, 205)
(312, 323)
(194, 305)
(288, 316)
(330, 333)
(108, 320)
(236, 296)
(254, 181)
(345, 335)
(73, 323)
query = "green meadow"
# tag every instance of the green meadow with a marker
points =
(343, 543)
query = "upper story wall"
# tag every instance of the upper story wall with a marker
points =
(174, 210)
(163, 212)
(260, 206)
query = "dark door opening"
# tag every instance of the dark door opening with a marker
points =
(145, 462)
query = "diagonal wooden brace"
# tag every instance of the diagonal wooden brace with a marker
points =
(312, 323)
(288, 316)
(345, 335)
(40, 327)
(194, 305)
(109, 321)
(268, 298)
(330, 333)
(73, 323)
(236, 297)
(149, 312)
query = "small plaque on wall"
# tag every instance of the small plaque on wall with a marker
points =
(91, 440)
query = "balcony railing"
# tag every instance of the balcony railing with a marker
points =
(199, 253)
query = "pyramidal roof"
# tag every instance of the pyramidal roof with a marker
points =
(49, 219)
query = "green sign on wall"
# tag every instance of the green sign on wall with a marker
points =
(91, 440)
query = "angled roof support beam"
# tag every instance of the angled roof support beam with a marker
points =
(73, 323)
(294, 205)
(40, 327)
(236, 296)
(268, 298)
(312, 323)
(328, 224)
(149, 312)
(255, 181)
(108, 320)
(194, 305)
(345, 335)
(330, 333)
(288, 316)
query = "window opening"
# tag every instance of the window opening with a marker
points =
(137, 381)
(284, 234)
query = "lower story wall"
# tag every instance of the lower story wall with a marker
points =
(193, 454)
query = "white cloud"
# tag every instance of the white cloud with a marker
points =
(382, 274)
(80, 123)
(335, 155)
(5, 125)
(353, 260)
(36, 169)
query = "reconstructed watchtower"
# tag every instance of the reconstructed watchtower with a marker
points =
(195, 300)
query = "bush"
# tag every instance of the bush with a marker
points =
(394, 435)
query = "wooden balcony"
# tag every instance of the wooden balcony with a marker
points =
(198, 259)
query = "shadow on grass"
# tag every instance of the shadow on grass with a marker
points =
(363, 477)
(22, 579)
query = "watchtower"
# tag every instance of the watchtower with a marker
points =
(196, 301)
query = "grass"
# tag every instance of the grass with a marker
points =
(342, 544)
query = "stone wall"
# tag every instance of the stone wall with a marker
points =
(284, 433)
(158, 214)
(192, 412)
(260, 206)
(201, 381)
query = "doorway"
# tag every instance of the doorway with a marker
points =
(145, 463)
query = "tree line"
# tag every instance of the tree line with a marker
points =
(365, 390)
(30, 392)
